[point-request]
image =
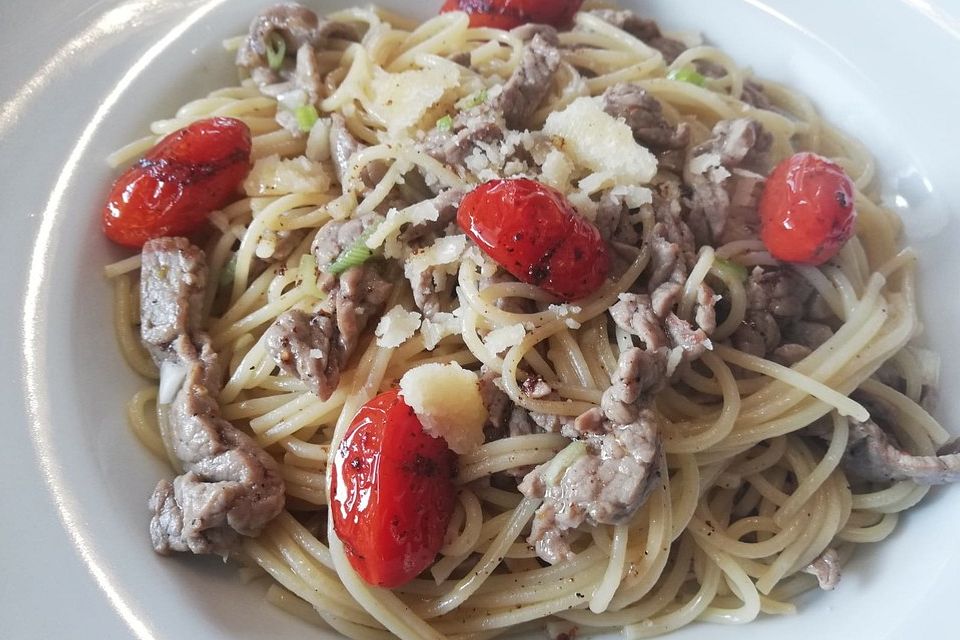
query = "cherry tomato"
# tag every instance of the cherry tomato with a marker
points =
(507, 14)
(806, 211)
(393, 492)
(535, 234)
(173, 188)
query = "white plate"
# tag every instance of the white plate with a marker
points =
(80, 79)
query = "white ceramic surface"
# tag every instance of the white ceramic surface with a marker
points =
(81, 77)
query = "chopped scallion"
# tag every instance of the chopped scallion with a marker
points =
(733, 270)
(445, 123)
(686, 74)
(477, 99)
(307, 116)
(354, 255)
(276, 50)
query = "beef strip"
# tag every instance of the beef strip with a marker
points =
(874, 455)
(735, 144)
(306, 346)
(529, 31)
(297, 25)
(638, 373)
(172, 285)
(343, 146)
(754, 95)
(776, 298)
(826, 568)
(613, 221)
(643, 29)
(480, 125)
(644, 114)
(634, 314)
(529, 85)
(607, 485)
(230, 487)
(316, 347)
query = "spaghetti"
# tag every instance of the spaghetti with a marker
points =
(753, 491)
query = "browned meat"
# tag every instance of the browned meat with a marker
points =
(638, 373)
(536, 387)
(529, 84)
(693, 341)
(172, 284)
(780, 291)
(790, 354)
(643, 29)
(736, 144)
(297, 25)
(230, 486)
(827, 569)
(333, 239)
(360, 298)
(754, 95)
(706, 309)
(644, 114)
(809, 334)
(613, 221)
(634, 314)
(874, 455)
(447, 203)
(606, 484)
(529, 31)
(343, 146)
(306, 346)
(475, 126)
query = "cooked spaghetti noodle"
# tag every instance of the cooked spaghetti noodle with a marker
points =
(749, 498)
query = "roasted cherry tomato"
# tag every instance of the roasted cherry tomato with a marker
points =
(173, 188)
(806, 211)
(393, 492)
(507, 14)
(535, 234)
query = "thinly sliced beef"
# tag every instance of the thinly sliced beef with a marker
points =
(776, 302)
(638, 373)
(230, 486)
(530, 83)
(172, 285)
(316, 347)
(343, 146)
(619, 468)
(298, 26)
(644, 114)
(306, 346)
(826, 568)
(523, 92)
(740, 144)
(643, 29)
(872, 454)
(634, 314)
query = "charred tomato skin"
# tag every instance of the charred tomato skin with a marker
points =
(534, 233)
(807, 210)
(392, 492)
(508, 14)
(175, 186)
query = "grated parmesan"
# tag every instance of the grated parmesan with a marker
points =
(499, 340)
(396, 327)
(273, 176)
(446, 399)
(601, 143)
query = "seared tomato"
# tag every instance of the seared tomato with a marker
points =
(806, 211)
(507, 14)
(173, 188)
(534, 233)
(393, 492)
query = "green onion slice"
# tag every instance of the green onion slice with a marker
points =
(733, 270)
(445, 123)
(276, 50)
(307, 116)
(354, 255)
(686, 74)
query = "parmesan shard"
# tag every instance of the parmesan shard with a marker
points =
(446, 399)
(396, 327)
(597, 141)
(401, 100)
